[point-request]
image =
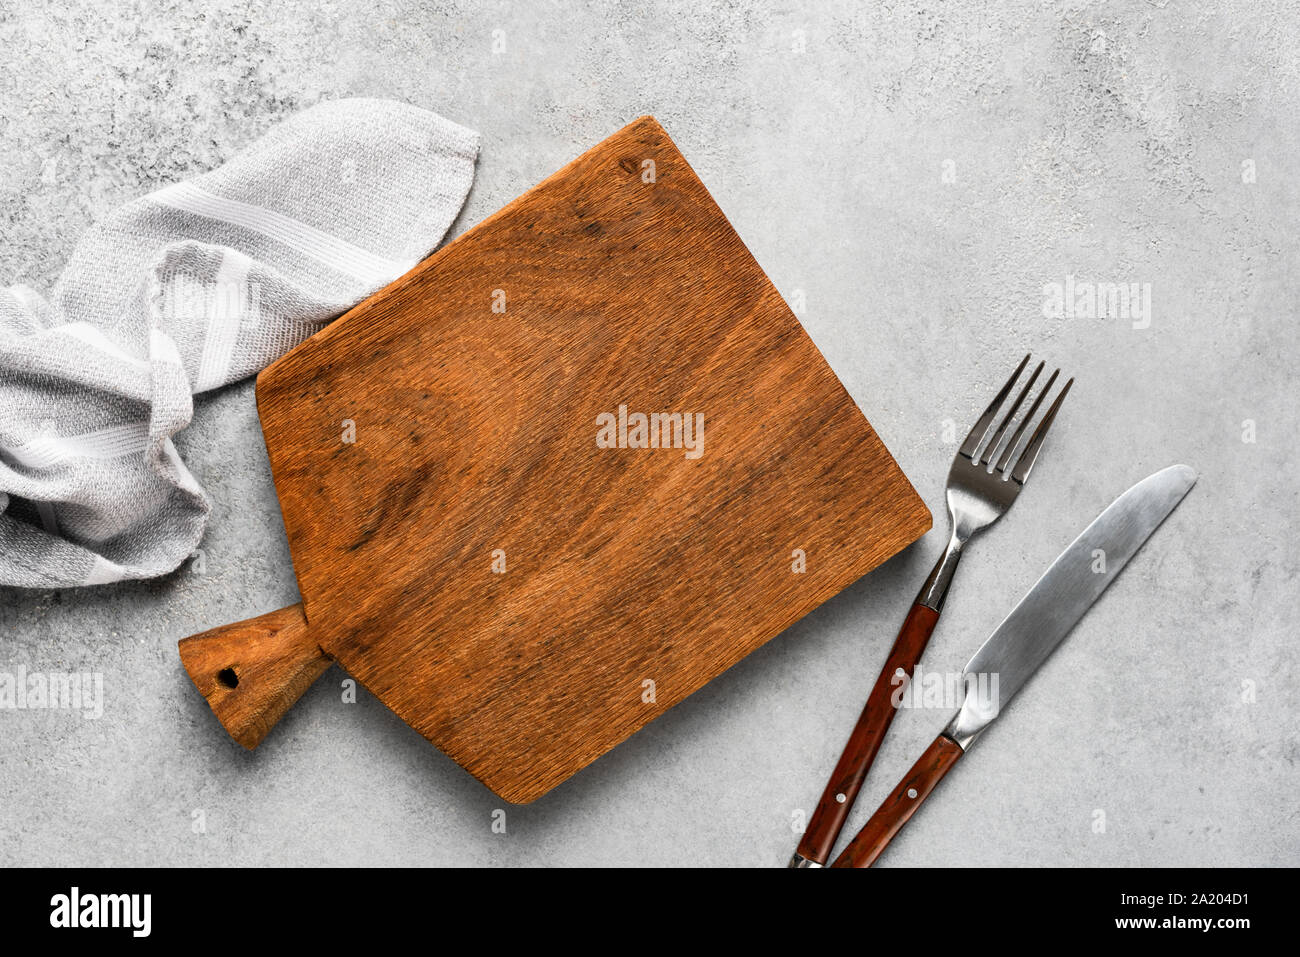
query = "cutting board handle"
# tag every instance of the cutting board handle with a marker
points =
(253, 671)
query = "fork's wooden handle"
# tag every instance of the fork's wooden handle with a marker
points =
(901, 804)
(253, 671)
(846, 780)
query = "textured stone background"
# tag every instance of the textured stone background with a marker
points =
(1104, 140)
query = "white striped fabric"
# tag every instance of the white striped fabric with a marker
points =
(44, 451)
(227, 303)
(155, 307)
(330, 250)
(90, 336)
(103, 572)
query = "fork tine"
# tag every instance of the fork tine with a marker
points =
(991, 450)
(1031, 450)
(1004, 463)
(981, 427)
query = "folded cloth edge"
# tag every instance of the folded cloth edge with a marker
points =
(95, 384)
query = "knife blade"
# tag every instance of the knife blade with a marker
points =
(1025, 639)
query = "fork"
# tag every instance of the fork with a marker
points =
(981, 486)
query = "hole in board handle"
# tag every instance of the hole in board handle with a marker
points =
(228, 677)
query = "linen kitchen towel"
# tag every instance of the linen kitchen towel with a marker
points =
(192, 287)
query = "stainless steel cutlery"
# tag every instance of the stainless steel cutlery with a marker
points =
(1023, 642)
(987, 474)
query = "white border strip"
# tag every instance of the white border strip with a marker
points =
(116, 442)
(336, 253)
(226, 303)
(91, 336)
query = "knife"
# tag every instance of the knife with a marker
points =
(1023, 642)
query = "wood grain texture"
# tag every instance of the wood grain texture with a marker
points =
(897, 809)
(475, 434)
(253, 671)
(865, 740)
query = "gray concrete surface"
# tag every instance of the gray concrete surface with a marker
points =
(914, 175)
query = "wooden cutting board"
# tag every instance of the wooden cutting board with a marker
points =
(483, 550)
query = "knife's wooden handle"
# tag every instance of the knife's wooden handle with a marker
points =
(851, 770)
(253, 671)
(901, 804)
